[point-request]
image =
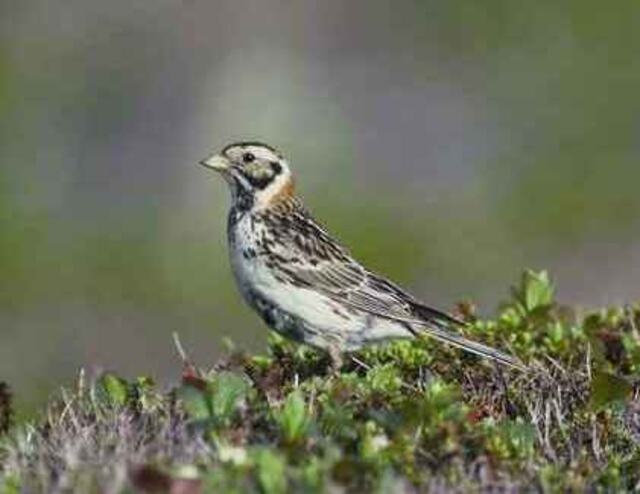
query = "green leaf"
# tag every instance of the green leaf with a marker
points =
(271, 472)
(607, 389)
(148, 398)
(511, 439)
(196, 401)
(112, 389)
(228, 390)
(10, 485)
(213, 400)
(536, 290)
(293, 418)
(385, 378)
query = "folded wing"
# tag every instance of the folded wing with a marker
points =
(318, 263)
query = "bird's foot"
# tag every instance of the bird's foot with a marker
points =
(336, 361)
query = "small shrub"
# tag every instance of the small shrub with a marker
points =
(404, 417)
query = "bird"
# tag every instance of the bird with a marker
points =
(301, 281)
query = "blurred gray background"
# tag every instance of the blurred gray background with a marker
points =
(450, 143)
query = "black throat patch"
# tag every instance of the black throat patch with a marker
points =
(259, 183)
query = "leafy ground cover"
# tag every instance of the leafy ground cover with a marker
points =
(410, 416)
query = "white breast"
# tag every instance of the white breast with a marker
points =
(315, 309)
(252, 274)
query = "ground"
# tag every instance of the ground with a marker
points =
(410, 416)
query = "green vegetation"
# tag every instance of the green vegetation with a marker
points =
(407, 415)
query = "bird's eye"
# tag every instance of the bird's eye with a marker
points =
(248, 157)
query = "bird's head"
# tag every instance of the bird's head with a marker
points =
(257, 174)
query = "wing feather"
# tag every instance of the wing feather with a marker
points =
(333, 271)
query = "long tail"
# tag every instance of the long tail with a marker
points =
(471, 346)
(435, 324)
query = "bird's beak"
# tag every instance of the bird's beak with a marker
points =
(216, 162)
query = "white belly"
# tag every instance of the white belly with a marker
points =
(323, 321)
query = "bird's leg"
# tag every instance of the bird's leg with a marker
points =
(337, 360)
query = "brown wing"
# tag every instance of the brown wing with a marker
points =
(309, 257)
(312, 259)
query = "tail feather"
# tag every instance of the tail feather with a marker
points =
(438, 330)
(430, 314)
(473, 347)
(435, 324)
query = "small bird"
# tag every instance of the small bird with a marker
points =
(301, 281)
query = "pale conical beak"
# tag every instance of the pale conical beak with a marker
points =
(216, 162)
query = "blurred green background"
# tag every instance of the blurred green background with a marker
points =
(449, 143)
